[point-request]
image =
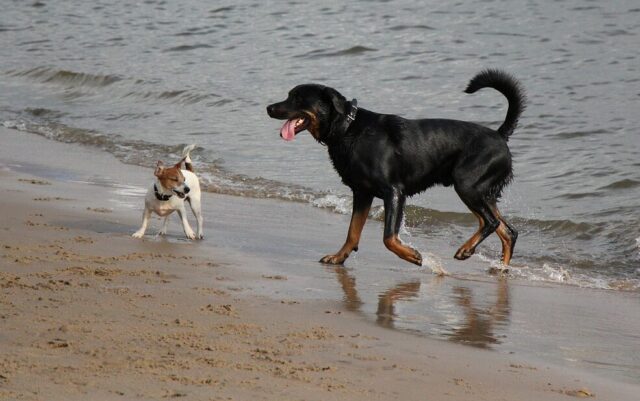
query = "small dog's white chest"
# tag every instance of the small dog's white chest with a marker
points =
(163, 208)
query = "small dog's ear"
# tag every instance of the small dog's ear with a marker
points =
(337, 99)
(159, 168)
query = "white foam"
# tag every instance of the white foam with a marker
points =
(434, 263)
(377, 212)
(557, 274)
(337, 203)
(19, 125)
(560, 274)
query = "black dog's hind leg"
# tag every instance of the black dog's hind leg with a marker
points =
(508, 236)
(393, 211)
(361, 206)
(489, 222)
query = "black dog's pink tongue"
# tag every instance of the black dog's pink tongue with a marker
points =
(288, 130)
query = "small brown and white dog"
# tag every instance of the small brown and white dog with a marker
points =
(172, 187)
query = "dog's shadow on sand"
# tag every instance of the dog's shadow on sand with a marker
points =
(116, 228)
(97, 226)
(477, 328)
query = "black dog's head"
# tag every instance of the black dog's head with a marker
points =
(315, 108)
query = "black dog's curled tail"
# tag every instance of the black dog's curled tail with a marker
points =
(510, 88)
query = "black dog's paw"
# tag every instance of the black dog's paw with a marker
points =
(417, 258)
(463, 253)
(333, 259)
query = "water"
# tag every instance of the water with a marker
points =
(141, 80)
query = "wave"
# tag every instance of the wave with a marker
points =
(73, 83)
(410, 27)
(622, 184)
(183, 96)
(352, 51)
(183, 48)
(65, 77)
(580, 134)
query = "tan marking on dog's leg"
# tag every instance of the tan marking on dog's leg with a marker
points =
(468, 248)
(358, 219)
(505, 237)
(404, 252)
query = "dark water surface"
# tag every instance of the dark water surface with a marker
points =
(141, 79)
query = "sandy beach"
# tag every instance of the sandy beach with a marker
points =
(88, 313)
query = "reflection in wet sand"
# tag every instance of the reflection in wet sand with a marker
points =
(474, 323)
(479, 324)
(351, 298)
(386, 300)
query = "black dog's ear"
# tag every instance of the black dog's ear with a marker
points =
(339, 101)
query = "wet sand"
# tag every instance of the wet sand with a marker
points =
(89, 313)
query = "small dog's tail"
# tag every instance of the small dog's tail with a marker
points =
(510, 88)
(186, 156)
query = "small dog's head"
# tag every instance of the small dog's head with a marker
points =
(171, 178)
(310, 107)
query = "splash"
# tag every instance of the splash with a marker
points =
(435, 264)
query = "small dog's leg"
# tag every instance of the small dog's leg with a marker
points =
(185, 224)
(197, 211)
(145, 221)
(165, 226)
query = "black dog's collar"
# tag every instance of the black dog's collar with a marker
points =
(352, 113)
(159, 196)
(350, 117)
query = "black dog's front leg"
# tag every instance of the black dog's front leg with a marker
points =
(361, 206)
(393, 211)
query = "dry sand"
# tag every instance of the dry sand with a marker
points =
(88, 313)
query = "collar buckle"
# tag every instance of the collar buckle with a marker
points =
(354, 110)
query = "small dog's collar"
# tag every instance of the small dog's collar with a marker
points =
(159, 196)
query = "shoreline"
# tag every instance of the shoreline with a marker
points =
(87, 310)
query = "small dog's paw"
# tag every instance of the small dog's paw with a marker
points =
(137, 234)
(162, 232)
(190, 235)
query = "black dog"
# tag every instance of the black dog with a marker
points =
(390, 157)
